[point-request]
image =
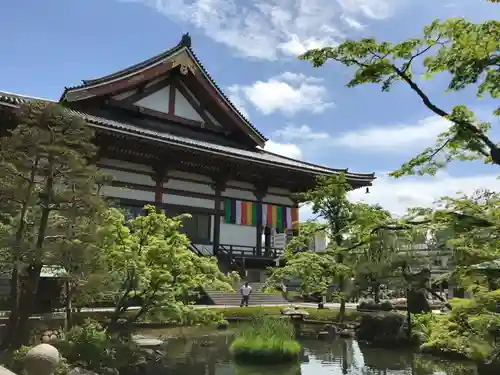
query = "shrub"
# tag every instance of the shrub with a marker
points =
(184, 316)
(222, 324)
(469, 331)
(387, 329)
(386, 306)
(368, 304)
(266, 341)
(91, 347)
(324, 315)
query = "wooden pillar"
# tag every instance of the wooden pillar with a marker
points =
(160, 177)
(219, 187)
(260, 192)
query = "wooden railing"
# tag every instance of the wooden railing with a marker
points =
(249, 251)
(203, 252)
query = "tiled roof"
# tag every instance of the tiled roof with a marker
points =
(184, 43)
(256, 155)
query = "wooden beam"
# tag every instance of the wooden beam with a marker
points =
(119, 85)
(171, 100)
(157, 114)
(146, 91)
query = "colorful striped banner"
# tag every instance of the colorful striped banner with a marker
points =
(280, 217)
(245, 213)
(240, 212)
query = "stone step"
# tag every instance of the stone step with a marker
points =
(234, 298)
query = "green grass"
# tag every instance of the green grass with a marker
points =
(323, 315)
(266, 341)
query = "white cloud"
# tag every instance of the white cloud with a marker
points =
(266, 29)
(289, 150)
(300, 134)
(395, 138)
(397, 195)
(351, 22)
(374, 9)
(288, 93)
(235, 98)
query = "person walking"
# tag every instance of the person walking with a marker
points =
(245, 291)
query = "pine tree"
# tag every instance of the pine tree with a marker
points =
(45, 169)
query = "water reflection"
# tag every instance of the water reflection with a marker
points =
(209, 355)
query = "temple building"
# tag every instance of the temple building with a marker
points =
(169, 136)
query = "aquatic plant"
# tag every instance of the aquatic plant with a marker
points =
(266, 341)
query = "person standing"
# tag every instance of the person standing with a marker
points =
(245, 291)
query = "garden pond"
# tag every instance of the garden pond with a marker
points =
(198, 351)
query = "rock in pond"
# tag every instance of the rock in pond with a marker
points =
(294, 312)
(5, 371)
(147, 342)
(81, 371)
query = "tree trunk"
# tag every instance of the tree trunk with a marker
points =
(14, 294)
(34, 270)
(342, 310)
(27, 303)
(376, 292)
(68, 306)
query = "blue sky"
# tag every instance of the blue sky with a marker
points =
(249, 48)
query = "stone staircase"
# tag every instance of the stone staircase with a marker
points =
(257, 298)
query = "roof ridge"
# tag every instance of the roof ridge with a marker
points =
(24, 96)
(184, 42)
(338, 170)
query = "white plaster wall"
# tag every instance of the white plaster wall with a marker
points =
(241, 184)
(125, 164)
(136, 178)
(183, 108)
(157, 101)
(190, 176)
(187, 201)
(238, 194)
(120, 192)
(232, 234)
(188, 186)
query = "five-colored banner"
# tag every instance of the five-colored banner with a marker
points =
(245, 213)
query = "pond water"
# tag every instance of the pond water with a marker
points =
(198, 352)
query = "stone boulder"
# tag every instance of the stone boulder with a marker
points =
(41, 360)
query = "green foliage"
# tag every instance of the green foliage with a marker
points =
(265, 341)
(469, 225)
(386, 329)
(324, 315)
(470, 330)
(465, 52)
(316, 271)
(50, 189)
(91, 347)
(148, 262)
(222, 324)
(183, 315)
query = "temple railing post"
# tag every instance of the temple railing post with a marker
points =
(259, 193)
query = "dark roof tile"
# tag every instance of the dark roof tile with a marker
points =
(257, 155)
